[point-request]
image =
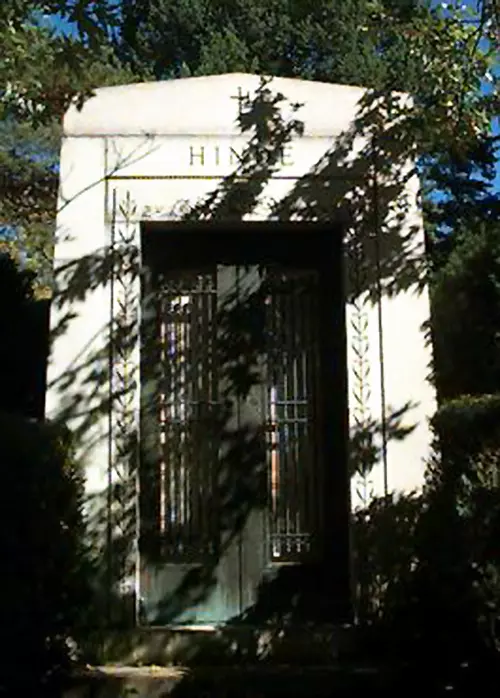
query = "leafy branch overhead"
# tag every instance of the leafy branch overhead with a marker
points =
(31, 108)
(443, 55)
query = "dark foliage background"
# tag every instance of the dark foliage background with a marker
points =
(46, 569)
(427, 566)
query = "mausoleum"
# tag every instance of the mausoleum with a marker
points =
(238, 341)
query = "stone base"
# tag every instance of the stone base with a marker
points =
(306, 645)
(227, 682)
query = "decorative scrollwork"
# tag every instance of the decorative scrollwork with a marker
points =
(177, 211)
(123, 379)
(361, 434)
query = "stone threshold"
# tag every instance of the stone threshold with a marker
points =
(179, 672)
(224, 646)
(231, 681)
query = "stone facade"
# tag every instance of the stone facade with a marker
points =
(171, 152)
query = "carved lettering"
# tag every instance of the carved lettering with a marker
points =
(286, 155)
(200, 155)
(234, 156)
(230, 156)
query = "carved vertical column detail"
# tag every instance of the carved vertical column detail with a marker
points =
(361, 437)
(123, 452)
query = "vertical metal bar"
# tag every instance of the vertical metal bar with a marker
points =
(283, 415)
(308, 434)
(180, 416)
(170, 396)
(196, 454)
(273, 416)
(238, 285)
(161, 415)
(279, 370)
(213, 393)
(280, 392)
(137, 455)
(293, 342)
(171, 447)
(300, 350)
(176, 451)
(313, 390)
(192, 405)
(183, 413)
(204, 462)
(188, 417)
(268, 525)
(288, 409)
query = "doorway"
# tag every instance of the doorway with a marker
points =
(236, 338)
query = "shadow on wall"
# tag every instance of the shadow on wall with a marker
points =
(366, 193)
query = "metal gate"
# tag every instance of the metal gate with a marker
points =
(231, 467)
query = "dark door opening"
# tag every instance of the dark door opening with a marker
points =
(237, 333)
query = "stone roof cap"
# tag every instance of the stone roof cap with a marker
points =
(205, 106)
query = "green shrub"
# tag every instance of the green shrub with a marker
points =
(384, 536)
(25, 341)
(465, 297)
(464, 428)
(44, 580)
(428, 567)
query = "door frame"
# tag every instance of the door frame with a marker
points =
(335, 501)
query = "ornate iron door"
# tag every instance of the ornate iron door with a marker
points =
(231, 461)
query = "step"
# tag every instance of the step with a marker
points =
(244, 681)
(305, 645)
